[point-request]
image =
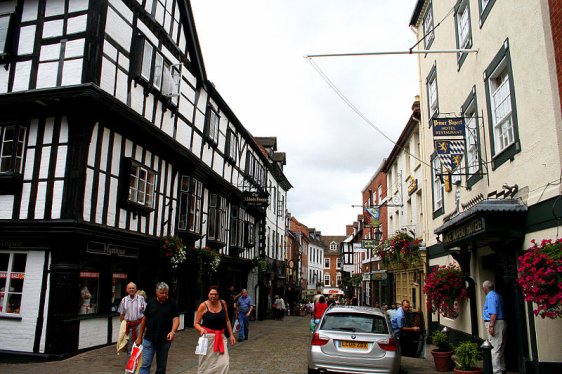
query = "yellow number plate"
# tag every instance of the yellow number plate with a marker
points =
(356, 345)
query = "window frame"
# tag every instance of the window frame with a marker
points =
(126, 182)
(501, 64)
(195, 215)
(6, 35)
(16, 152)
(432, 77)
(8, 286)
(327, 280)
(437, 188)
(217, 218)
(231, 147)
(212, 125)
(428, 24)
(467, 42)
(326, 262)
(470, 106)
(485, 9)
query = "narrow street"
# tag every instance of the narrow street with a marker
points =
(273, 347)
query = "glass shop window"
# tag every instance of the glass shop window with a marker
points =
(89, 292)
(12, 276)
(118, 289)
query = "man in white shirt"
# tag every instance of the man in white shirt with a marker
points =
(131, 309)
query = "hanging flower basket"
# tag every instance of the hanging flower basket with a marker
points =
(400, 251)
(540, 277)
(445, 289)
(210, 259)
(173, 249)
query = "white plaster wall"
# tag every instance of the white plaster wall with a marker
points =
(18, 335)
(93, 332)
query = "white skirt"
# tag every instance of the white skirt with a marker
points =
(214, 362)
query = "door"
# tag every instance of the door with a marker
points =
(412, 343)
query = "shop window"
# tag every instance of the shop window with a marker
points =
(190, 203)
(217, 218)
(89, 292)
(12, 276)
(118, 289)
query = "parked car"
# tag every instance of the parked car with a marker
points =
(358, 339)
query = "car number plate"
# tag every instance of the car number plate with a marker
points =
(354, 345)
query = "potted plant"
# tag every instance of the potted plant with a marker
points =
(540, 277)
(445, 290)
(466, 356)
(443, 351)
(173, 249)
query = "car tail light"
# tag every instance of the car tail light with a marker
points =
(316, 340)
(388, 344)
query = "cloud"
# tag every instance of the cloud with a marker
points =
(253, 52)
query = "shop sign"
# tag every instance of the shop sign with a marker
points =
(4, 275)
(89, 274)
(366, 276)
(379, 275)
(10, 243)
(462, 232)
(368, 243)
(348, 268)
(413, 186)
(447, 127)
(112, 249)
(256, 199)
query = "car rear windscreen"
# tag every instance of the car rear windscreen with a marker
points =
(355, 322)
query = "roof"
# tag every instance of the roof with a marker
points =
(417, 12)
(485, 206)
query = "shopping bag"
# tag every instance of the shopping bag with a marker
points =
(202, 345)
(133, 361)
(236, 327)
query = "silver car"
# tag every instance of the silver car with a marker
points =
(354, 339)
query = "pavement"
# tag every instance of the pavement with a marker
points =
(273, 347)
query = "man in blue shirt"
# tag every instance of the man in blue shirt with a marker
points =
(493, 316)
(399, 318)
(244, 305)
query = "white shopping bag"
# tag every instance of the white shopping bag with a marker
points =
(202, 345)
(236, 327)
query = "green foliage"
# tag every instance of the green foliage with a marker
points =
(466, 355)
(400, 251)
(260, 263)
(441, 341)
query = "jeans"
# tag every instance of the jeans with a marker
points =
(148, 351)
(243, 320)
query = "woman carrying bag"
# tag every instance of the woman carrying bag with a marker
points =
(212, 321)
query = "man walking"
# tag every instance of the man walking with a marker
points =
(159, 325)
(131, 310)
(245, 306)
(493, 315)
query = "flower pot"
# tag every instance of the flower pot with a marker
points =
(442, 360)
(472, 371)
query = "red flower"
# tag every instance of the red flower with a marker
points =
(540, 277)
(443, 287)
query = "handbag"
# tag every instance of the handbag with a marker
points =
(202, 345)
(236, 327)
(133, 362)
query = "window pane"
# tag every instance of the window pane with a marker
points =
(89, 287)
(4, 23)
(147, 60)
(158, 66)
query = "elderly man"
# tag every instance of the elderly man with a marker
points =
(131, 310)
(493, 315)
(244, 305)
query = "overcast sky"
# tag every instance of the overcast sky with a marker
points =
(253, 51)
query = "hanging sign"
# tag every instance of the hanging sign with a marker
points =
(374, 212)
(450, 153)
(448, 127)
(256, 199)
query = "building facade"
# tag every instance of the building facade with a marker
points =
(483, 210)
(113, 139)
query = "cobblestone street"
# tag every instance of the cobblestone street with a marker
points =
(273, 347)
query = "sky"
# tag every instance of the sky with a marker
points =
(253, 51)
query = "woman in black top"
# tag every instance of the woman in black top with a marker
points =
(212, 319)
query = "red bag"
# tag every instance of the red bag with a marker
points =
(133, 361)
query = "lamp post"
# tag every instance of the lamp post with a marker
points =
(378, 237)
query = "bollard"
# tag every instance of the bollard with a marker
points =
(487, 357)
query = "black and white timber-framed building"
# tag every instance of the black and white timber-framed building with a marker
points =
(112, 138)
